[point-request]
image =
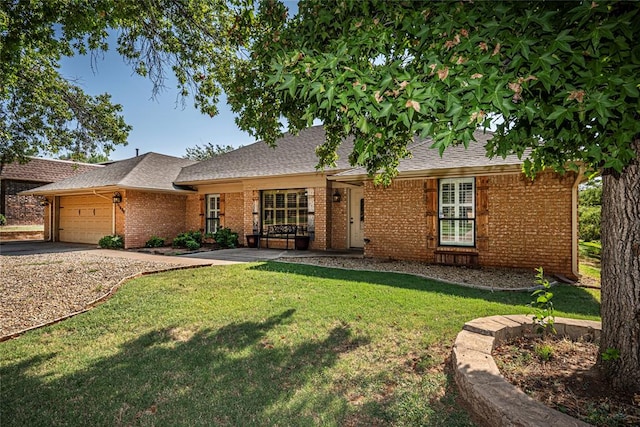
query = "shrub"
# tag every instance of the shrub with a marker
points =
(189, 239)
(590, 250)
(589, 223)
(111, 242)
(3, 220)
(589, 210)
(226, 238)
(192, 245)
(542, 305)
(154, 242)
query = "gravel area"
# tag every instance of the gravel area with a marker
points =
(35, 289)
(489, 278)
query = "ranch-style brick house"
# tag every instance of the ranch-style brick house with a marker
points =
(460, 209)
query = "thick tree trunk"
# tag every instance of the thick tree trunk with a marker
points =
(621, 274)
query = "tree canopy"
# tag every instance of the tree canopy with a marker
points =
(207, 151)
(43, 111)
(559, 82)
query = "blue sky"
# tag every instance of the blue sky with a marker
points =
(161, 124)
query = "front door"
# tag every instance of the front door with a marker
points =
(356, 218)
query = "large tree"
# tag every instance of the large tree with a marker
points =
(559, 81)
(42, 110)
(207, 151)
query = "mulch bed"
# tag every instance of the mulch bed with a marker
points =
(568, 381)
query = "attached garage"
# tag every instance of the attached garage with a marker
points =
(84, 219)
(133, 198)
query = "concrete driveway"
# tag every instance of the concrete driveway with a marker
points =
(35, 247)
(220, 257)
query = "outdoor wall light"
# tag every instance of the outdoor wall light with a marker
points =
(117, 198)
(336, 196)
(44, 202)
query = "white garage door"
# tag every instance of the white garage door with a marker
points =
(84, 219)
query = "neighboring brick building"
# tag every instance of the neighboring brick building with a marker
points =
(460, 209)
(17, 177)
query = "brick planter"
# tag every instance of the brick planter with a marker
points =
(490, 398)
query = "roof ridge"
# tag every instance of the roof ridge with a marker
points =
(142, 157)
(73, 162)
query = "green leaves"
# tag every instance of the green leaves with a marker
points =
(40, 110)
(553, 89)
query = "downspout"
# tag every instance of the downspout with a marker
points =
(113, 213)
(575, 266)
(52, 211)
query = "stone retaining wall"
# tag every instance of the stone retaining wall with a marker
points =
(490, 398)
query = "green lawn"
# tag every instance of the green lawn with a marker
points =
(256, 344)
(12, 228)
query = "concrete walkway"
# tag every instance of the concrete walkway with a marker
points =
(219, 257)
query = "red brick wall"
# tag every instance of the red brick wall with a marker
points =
(233, 210)
(519, 223)
(321, 217)
(338, 222)
(529, 224)
(395, 222)
(21, 210)
(194, 219)
(121, 216)
(153, 214)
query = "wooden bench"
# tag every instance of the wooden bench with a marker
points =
(280, 231)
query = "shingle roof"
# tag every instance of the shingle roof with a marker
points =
(45, 170)
(427, 160)
(294, 154)
(150, 171)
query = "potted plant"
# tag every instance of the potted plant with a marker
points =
(252, 240)
(302, 243)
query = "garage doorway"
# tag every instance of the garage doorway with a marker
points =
(84, 219)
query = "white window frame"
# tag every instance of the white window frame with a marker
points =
(457, 215)
(212, 209)
(272, 214)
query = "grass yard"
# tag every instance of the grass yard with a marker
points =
(13, 228)
(256, 344)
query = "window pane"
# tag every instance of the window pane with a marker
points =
(448, 193)
(447, 231)
(284, 207)
(466, 193)
(465, 231)
(268, 200)
(448, 212)
(466, 212)
(457, 211)
(268, 217)
(302, 201)
(292, 199)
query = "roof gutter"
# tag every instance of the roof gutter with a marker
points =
(439, 173)
(238, 179)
